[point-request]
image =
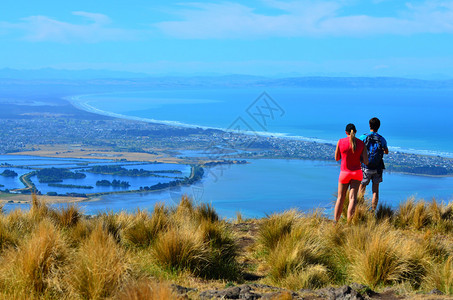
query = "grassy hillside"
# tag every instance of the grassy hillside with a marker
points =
(60, 254)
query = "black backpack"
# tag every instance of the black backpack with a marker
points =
(375, 152)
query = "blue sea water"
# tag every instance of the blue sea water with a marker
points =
(412, 120)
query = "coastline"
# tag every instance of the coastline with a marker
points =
(78, 103)
(123, 139)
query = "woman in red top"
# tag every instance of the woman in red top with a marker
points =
(352, 152)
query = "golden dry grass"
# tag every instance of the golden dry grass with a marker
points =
(146, 289)
(411, 247)
(48, 253)
(99, 267)
(32, 266)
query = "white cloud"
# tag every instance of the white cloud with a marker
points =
(303, 18)
(45, 29)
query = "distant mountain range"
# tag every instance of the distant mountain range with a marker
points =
(59, 74)
(104, 78)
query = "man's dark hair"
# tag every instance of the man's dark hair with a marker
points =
(375, 124)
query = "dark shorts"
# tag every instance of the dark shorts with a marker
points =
(374, 175)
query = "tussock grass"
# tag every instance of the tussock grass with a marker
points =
(144, 228)
(184, 212)
(146, 289)
(7, 237)
(19, 221)
(410, 247)
(295, 254)
(441, 277)
(39, 209)
(195, 240)
(67, 216)
(310, 277)
(362, 209)
(223, 251)
(48, 253)
(32, 265)
(239, 218)
(115, 223)
(99, 267)
(378, 262)
(420, 215)
(384, 212)
(180, 250)
(205, 211)
(275, 227)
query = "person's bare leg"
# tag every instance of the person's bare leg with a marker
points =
(375, 200)
(342, 189)
(353, 198)
(362, 190)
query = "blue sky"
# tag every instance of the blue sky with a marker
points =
(262, 37)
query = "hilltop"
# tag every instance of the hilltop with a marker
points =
(189, 252)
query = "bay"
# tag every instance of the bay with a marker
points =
(412, 120)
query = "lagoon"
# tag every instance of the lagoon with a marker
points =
(26, 164)
(273, 185)
(262, 187)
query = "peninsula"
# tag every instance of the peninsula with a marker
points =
(38, 121)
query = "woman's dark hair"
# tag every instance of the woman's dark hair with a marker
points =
(375, 123)
(350, 128)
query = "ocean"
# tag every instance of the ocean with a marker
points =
(412, 120)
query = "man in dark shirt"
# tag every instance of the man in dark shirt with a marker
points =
(376, 148)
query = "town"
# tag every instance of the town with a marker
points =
(119, 135)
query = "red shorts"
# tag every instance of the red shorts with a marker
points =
(347, 176)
